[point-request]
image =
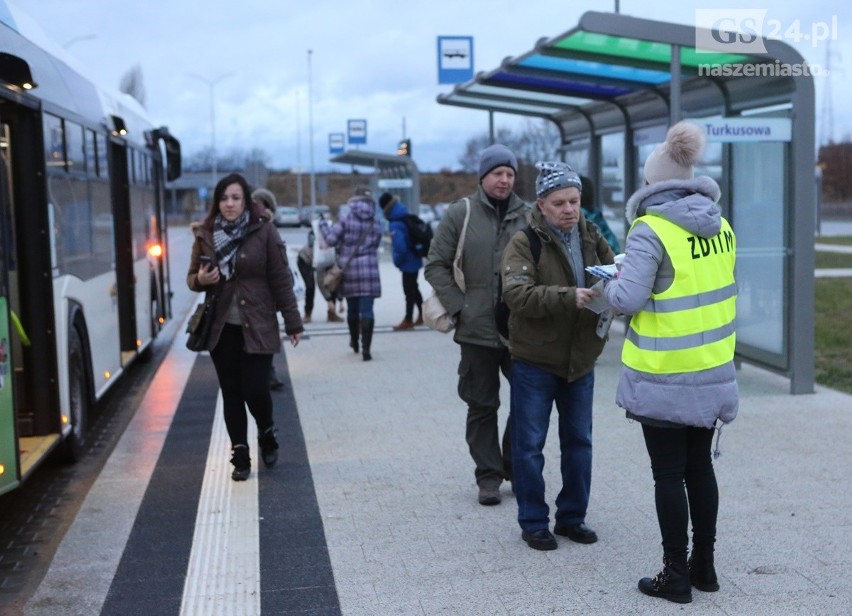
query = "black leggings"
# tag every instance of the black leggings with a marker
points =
(681, 457)
(307, 272)
(244, 380)
(412, 294)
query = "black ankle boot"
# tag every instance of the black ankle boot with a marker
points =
(366, 338)
(702, 573)
(671, 583)
(268, 447)
(354, 327)
(241, 461)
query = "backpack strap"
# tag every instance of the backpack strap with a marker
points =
(535, 243)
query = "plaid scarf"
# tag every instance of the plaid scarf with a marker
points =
(227, 237)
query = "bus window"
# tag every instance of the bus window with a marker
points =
(75, 152)
(91, 158)
(101, 154)
(54, 149)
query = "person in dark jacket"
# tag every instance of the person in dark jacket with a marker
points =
(245, 261)
(405, 259)
(678, 378)
(554, 345)
(357, 236)
(496, 213)
(266, 198)
(592, 213)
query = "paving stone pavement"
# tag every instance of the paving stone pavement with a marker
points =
(406, 536)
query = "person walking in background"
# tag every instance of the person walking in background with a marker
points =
(593, 213)
(554, 346)
(356, 236)
(678, 378)
(244, 334)
(305, 263)
(496, 213)
(405, 259)
(267, 200)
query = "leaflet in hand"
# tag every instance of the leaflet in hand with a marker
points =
(604, 272)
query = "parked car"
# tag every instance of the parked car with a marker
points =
(286, 216)
(426, 213)
(319, 210)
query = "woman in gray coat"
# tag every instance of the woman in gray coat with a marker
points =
(241, 256)
(678, 377)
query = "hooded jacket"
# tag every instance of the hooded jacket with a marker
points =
(546, 328)
(484, 243)
(679, 398)
(262, 285)
(359, 256)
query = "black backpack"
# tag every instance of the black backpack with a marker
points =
(419, 234)
(501, 310)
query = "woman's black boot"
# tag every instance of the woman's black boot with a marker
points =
(366, 338)
(241, 461)
(671, 583)
(354, 326)
(702, 573)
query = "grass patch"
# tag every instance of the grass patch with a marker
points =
(833, 336)
(843, 240)
(823, 260)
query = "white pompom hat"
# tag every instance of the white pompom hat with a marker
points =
(675, 158)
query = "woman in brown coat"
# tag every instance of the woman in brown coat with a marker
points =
(245, 261)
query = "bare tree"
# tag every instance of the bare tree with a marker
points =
(539, 140)
(132, 83)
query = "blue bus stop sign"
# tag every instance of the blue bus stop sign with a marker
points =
(455, 59)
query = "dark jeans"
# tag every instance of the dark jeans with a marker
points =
(534, 392)
(360, 307)
(244, 380)
(681, 457)
(307, 272)
(412, 294)
(479, 387)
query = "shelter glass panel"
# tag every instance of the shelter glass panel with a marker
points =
(758, 212)
(612, 192)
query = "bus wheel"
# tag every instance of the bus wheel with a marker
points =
(78, 398)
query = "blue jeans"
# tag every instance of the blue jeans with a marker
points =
(533, 393)
(360, 307)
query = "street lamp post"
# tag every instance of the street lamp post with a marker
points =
(311, 136)
(211, 83)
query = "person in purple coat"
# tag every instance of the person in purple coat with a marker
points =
(356, 237)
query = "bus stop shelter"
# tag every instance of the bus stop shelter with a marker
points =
(393, 173)
(613, 85)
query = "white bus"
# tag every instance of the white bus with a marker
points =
(84, 285)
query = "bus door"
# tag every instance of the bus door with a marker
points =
(124, 250)
(30, 421)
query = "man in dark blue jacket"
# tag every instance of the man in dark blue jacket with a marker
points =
(405, 259)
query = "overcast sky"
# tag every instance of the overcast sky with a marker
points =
(371, 59)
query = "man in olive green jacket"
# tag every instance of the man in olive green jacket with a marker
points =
(496, 213)
(554, 345)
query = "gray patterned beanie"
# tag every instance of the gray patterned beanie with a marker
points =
(555, 175)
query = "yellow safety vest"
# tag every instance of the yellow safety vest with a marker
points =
(690, 326)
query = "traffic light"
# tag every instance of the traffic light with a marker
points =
(404, 148)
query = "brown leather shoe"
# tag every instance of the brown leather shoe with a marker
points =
(403, 325)
(419, 320)
(333, 318)
(306, 318)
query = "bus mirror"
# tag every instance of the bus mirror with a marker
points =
(173, 158)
